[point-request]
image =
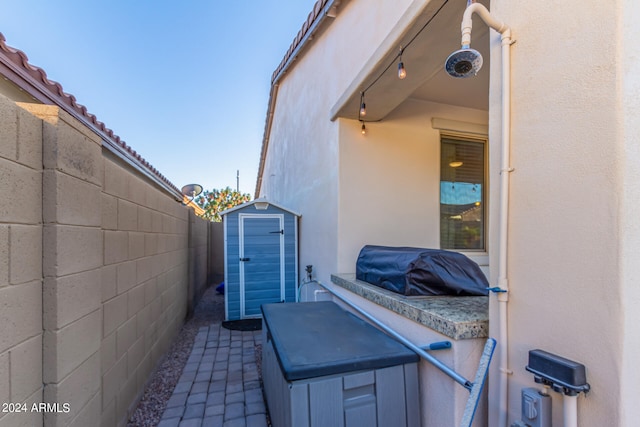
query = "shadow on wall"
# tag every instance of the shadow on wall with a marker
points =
(206, 264)
(97, 263)
(216, 253)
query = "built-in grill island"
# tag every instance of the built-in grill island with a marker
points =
(430, 296)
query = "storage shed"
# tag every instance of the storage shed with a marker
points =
(260, 257)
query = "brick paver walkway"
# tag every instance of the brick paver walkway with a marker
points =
(220, 384)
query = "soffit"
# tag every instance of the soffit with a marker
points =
(424, 61)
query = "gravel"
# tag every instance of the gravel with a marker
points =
(209, 310)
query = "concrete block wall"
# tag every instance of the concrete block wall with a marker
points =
(216, 253)
(198, 259)
(144, 284)
(20, 265)
(71, 263)
(95, 271)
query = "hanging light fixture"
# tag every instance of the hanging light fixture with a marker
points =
(363, 129)
(402, 72)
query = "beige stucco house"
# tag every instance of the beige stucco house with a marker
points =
(553, 223)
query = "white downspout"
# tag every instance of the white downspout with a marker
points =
(570, 410)
(505, 169)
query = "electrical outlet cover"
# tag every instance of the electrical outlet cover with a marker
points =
(536, 408)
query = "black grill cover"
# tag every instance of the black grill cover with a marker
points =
(417, 271)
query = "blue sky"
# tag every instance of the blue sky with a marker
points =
(185, 84)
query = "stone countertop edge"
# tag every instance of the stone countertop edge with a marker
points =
(458, 318)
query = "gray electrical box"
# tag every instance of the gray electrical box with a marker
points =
(536, 408)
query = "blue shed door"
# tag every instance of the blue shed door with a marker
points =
(261, 262)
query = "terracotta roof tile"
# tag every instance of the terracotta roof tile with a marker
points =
(54, 94)
(300, 37)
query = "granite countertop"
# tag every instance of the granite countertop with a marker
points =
(456, 317)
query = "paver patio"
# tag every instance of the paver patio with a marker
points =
(220, 383)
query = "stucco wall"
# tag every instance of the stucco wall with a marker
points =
(629, 63)
(94, 271)
(573, 188)
(353, 190)
(573, 229)
(390, 180)
(301, 169)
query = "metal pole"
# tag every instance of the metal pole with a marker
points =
(444, 368)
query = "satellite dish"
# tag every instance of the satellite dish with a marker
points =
(191, 190)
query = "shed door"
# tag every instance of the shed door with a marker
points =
(261, 262)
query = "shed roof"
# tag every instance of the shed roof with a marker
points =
(253, 202)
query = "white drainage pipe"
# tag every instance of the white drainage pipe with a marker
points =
(505, 169)
(570, 410)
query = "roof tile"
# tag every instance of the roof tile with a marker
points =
(55, 92)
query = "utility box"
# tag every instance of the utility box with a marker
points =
(260, 257)
(325, 367)
(536, 408)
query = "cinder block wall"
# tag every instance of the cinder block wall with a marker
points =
(216, 253)
(95, 271)
(144, 284)
(20, 264)
(198, 255)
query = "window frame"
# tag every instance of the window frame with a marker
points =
(473, 138)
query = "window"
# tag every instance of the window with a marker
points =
(462, 193)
